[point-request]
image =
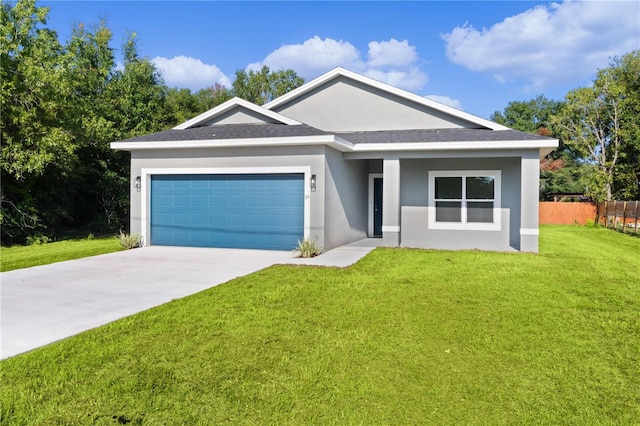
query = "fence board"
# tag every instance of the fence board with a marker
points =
(622, 215)
(552, 213)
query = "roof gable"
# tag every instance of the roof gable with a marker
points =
(346, 101)
(236, 111)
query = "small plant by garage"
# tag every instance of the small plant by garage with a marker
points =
(130, 241)
(307, 248)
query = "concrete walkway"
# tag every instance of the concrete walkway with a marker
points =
(43, 304)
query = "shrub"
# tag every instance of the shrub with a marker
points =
(130, 241)
(38, 239)
(307, 248)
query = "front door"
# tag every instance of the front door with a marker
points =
(375, 205)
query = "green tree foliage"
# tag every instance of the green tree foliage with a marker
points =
(33, 110)
(61, 106)
(258, 87)
(265, 85)
(213, 96)
(529, 116)
(186, 105)
(34, 89)
(138, 96)
(562, 170)
(626, 181)
(601, 123)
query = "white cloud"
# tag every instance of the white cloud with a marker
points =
(409, 78)
(549, 44)
(313, 56)
(446, 100)
(392, 62)
(192, 73)
(391, 53)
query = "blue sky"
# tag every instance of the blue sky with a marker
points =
(476, 56)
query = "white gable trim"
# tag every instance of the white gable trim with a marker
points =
(330, 140)
(230, 104)
(337, 72)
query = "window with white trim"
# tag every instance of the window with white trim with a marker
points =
(464, 199)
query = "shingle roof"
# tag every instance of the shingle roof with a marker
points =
(230, 131)
(269, 130)
(437, 135)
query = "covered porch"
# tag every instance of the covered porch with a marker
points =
(404, 210)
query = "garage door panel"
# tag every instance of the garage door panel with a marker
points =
(290, 202)
(199, 200)
(199, 184)
(235, 200)
(198, 219)
(181, 184)
(255, 201)
(180, 200)
(216, 200)
(163, 200)
(179, 220)
(238, 211)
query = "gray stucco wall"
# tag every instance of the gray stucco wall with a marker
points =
(414, 202)
(529, 188)
(226, 158)
(338, 209)
(346, 203)
(344, 105)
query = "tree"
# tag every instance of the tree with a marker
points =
(561, 170)
(626, 179)
(529, 116)
(601, 124)
(212, 97)
(138, 96)
(265, 85)
(61, 106)
(33, 111)
(186, 105)
(33, 92)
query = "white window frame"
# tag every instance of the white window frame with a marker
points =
(471, 226)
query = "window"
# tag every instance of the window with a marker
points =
(467, 199)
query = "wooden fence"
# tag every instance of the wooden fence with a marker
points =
(622, 215)
(559, 213)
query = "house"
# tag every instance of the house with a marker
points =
(339, 159)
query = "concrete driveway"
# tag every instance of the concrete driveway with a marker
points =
(47, 303)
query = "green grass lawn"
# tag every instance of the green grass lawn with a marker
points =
(403, 337)
(17, 257)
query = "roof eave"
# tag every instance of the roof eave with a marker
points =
(544, 146)
(342, 145)
(331, 140)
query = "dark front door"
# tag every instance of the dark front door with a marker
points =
(377, 207)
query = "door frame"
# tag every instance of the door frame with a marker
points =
(370, 211)
(145, 193)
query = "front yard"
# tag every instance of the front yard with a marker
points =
(402, 337)
(18, 257)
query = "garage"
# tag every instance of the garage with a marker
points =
(254, 211)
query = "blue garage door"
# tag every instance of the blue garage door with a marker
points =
(264, 211)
